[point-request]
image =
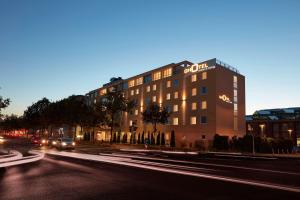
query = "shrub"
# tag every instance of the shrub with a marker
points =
(158, 139)
(143, 138)
(172, 142)
(163, 141)
(220, 142)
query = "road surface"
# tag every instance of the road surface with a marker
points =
(128, 176)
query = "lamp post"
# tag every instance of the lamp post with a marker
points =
(253, 145)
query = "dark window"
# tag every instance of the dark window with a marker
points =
(168, 108)
(203, 137)
(203, 120)
(125, 86)
(147, 100)
(175, 83)
(147, 78)
(204, 90)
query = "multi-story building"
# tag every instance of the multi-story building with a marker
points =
(275, 123)
(205, 99)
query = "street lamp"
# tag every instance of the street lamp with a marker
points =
(262, 126)
(290, 132)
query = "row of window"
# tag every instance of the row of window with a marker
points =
(203, 76)
(168, 95)
(193, 120)
(175, 121)
(194, 105)
(146, 79)
(235, 103)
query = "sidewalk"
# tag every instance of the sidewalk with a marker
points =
(140, 149)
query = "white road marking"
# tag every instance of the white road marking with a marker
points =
(202, 163)
(123, 162)
(14, 155)
(22, 160)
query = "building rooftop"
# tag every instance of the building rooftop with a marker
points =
(275, 114)
(179, 66)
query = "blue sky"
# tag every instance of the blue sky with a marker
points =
(57, 48)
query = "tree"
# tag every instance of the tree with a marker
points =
(172, 142)
(163, 141)
(3, 103)
(143, 138)
(155, 114)
(12, 123)
(158, 139)
(35, 115)
(113, 104)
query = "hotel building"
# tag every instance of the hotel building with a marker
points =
(205, 99)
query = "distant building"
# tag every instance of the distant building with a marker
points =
(275, 123)
(206, 98)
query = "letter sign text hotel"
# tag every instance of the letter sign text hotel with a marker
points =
(225, 98)
(198, 68)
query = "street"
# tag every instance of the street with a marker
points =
(132, 176)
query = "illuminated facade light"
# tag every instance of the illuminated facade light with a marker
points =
(205, 98)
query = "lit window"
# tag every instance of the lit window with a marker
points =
(235, 82)
(132, 92)
(204, 75)
(194, 106)
(193, 120)
(156, 76)
(235, 97)
(103, 92)
(148, 88)
(168, 96)
(194, 78)
(175, 121)
(167, 72)
(130, 122)
(154, 87)
(203, 105)
(139, 81)
(168, 84)
(175, 95)
(175, 108)
(131, 83)
(154, 98)
(137, 91)
(136, 112)
(111, 89)
(235, 107)
(194, 91)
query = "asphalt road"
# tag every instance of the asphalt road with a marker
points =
(58, 177)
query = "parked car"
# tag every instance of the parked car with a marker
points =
(51, 142)
(36, 140)
(65, 143)
(2, 140)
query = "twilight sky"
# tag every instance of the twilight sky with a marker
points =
(56, 48)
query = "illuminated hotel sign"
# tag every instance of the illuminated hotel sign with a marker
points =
(225, 98)
(198, 68)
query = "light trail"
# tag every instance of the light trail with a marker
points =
(159, 167)
(202, 163)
